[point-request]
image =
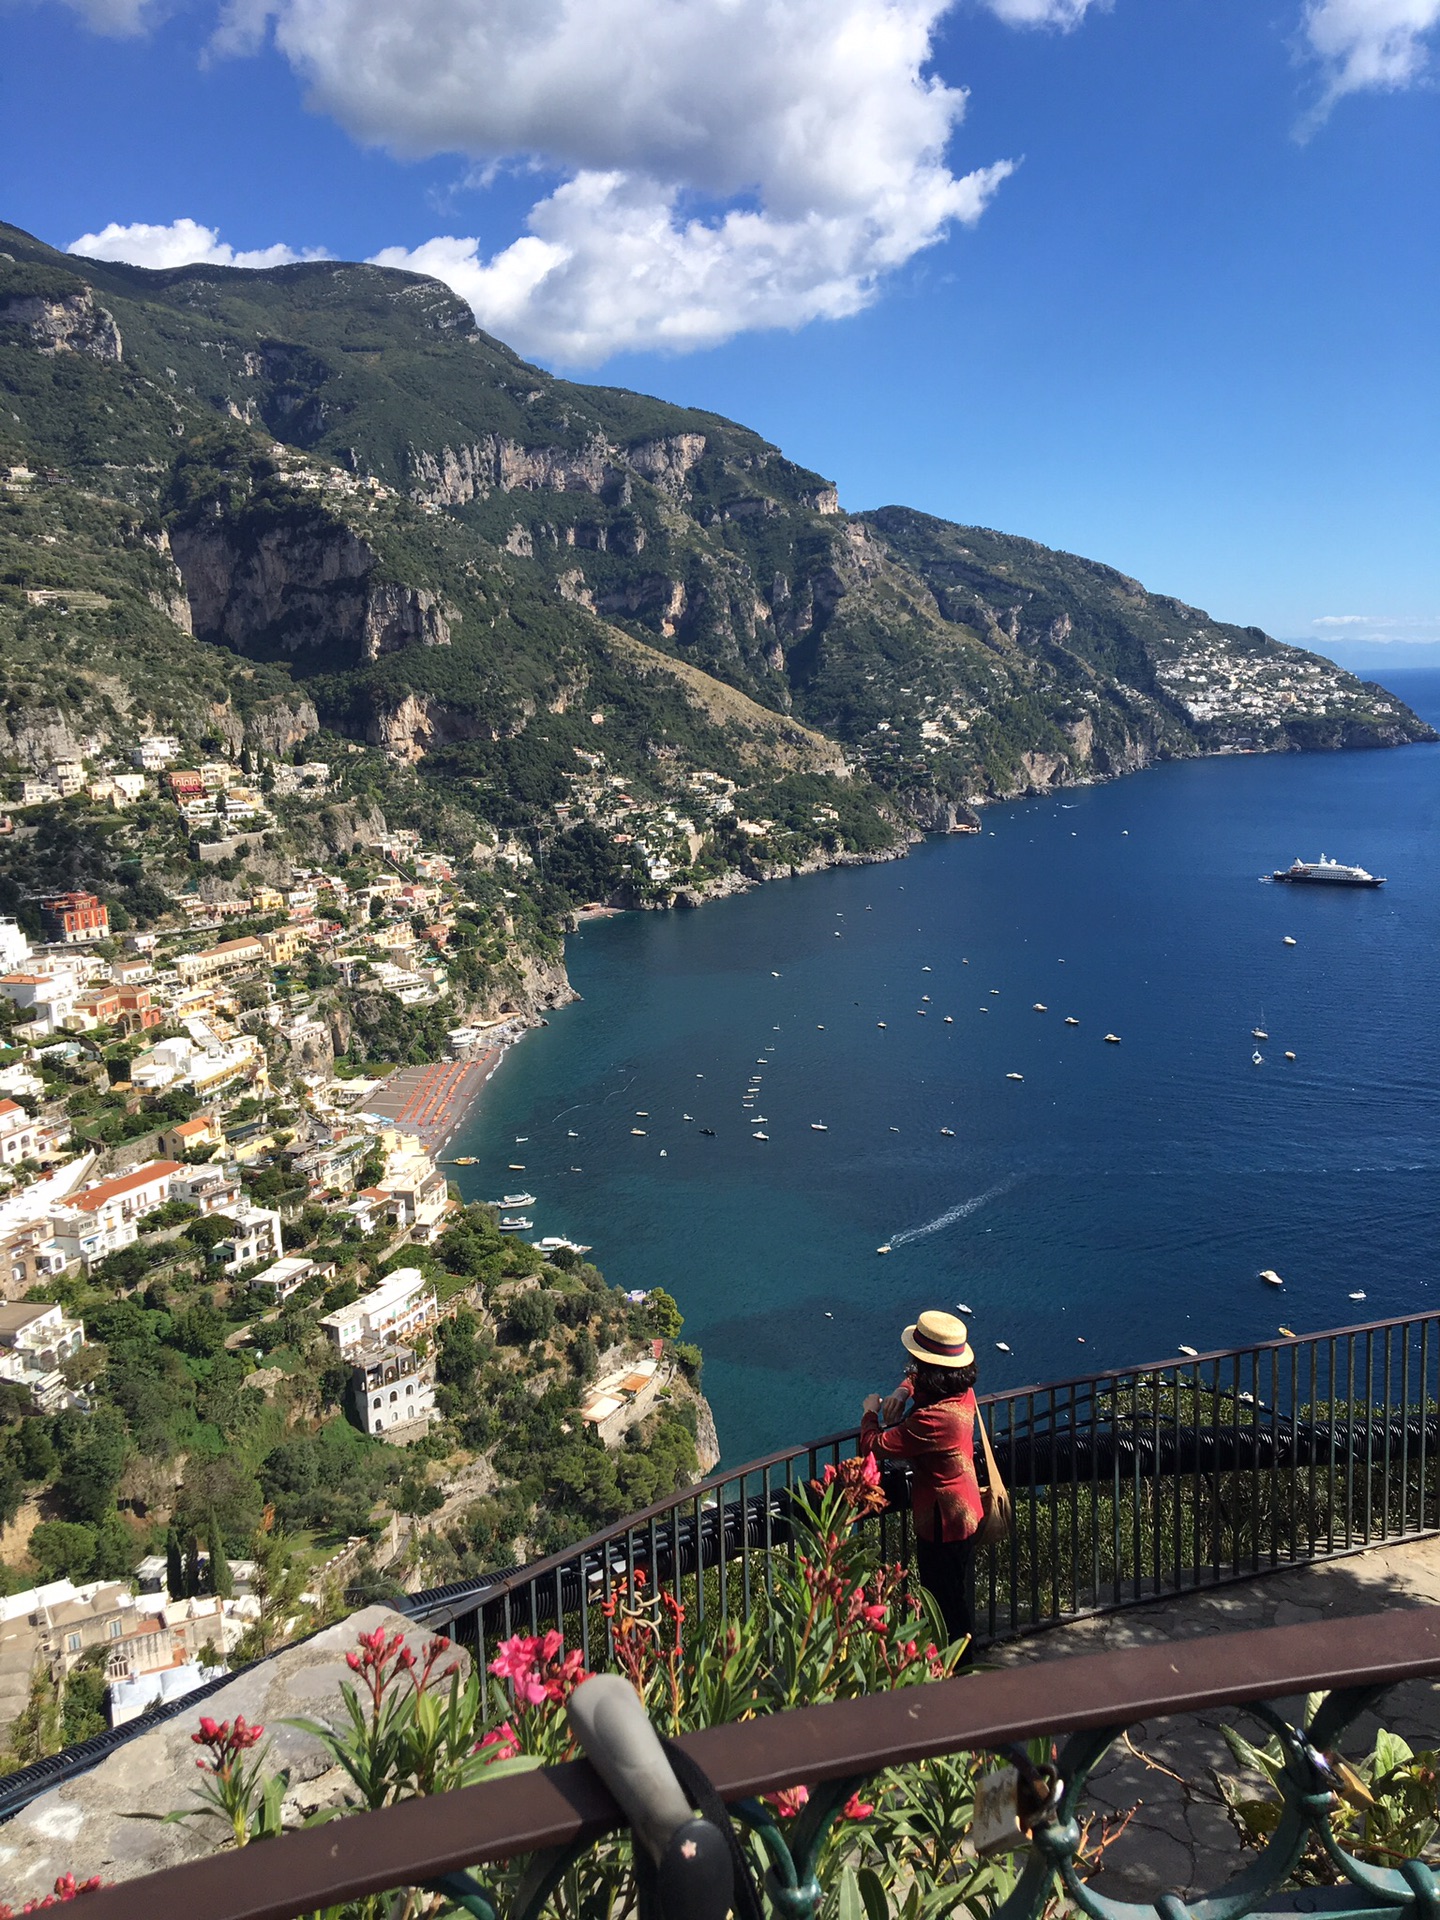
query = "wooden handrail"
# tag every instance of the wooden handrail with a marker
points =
(417, 1840)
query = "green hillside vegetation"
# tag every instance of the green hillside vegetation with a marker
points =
(434, 551)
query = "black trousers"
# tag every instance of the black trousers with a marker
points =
(947, 1571)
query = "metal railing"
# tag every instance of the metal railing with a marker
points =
(439, 1842)
(1127, 1486)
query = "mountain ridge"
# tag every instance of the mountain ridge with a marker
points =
(365, 508)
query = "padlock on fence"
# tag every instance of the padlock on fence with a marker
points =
(1009, 1803)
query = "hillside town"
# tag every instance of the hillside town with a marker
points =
(193, 1186)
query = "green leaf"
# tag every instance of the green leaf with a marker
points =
(850, 1905)
(877, 1907)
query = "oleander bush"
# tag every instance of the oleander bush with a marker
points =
(839, 1624)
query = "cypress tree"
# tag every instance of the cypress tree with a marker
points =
(192, 1567)
(221, 1583)
(174, 1566)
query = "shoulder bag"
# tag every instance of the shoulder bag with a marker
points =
(994, 1496)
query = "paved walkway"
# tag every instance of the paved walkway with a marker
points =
(1180, 1838)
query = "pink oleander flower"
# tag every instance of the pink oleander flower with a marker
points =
(857, 1809)
(788, 1801)
(501, 1743)
(875, 1617)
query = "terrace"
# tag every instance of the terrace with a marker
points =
(1289, 1489)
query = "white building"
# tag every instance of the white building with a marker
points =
(18, 1134)
(402, 1304)
(286, 1276)
(156, 752)
(103, 1218)
(35, 1338)
(392, 1388)
(14, 946)
(255, 1236)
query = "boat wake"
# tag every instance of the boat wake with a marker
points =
(952, 1214)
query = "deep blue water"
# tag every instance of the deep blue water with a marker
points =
(1124, 1195)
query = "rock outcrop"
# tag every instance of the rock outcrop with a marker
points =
(106, 1821)
(64, 323)
(498, 464)
(305, 582)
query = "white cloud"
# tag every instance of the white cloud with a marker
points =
(724, 164)
(1380, 629)
(180, 244)
(120, 18)
(1368, 45)
(1044, 13)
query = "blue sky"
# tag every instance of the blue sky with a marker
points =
(1154, 281)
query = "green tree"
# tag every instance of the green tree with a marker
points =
(221, 1580)
(63, 1549)
(82, 1707)
(174, 1566)
(37, 1730)
(665, 1315)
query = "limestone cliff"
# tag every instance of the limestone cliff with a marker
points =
(63, 323)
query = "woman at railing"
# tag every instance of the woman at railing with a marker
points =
(929, 1421)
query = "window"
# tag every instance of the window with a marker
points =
(72, 1643)
(115, 1629)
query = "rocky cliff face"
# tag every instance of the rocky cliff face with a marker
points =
(299, 584)
(497, 464)
(68, 323)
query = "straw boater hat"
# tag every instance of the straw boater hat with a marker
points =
(940, 1340)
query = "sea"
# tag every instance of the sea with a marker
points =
(1107, 1205)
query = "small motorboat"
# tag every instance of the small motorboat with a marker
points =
(1289, 941)
(924, 996)
(642, 1113)
(961, 1306)
(1039, 1007)
(1258, 1033)
(1257, 1059)
(664, 1153)
(638, 1130)
(1289, 1055)
(949, 1019)
(1289, 1333)
(1191, 1353)
(1359, 1295)
(759, 1136)
(463, 1160)
(994, 989)
(921, 1011)
(773, 974)
(819, 1029)
(948, 1132)
(571, 1134)
(708, 1132)
(1014, 1076)
(924, 969)
(880, 1024)
(522, 1139)
(818, 1126)
(1071, 1021)
(686, 1116)
(515, 1166)
(1000, 1347)
(828, 1314)
(884, 1249)
(1112, 1039)
(1270, 1277)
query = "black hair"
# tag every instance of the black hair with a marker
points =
(940, 1383)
